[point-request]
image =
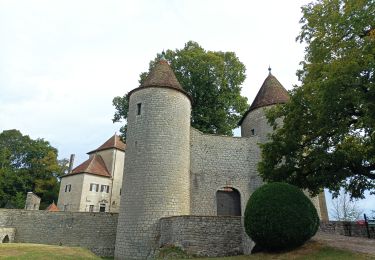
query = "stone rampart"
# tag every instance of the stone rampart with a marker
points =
(95, 231)
(203, 235)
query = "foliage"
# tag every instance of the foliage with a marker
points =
(172, 252)
(212, 78)
(26, 165)
(344, 208)
(279, 216)
(328, 135)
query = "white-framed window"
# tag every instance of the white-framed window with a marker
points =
(94, 187)
(91, 208)
(68, 188)
(102, 208)
(104, 188)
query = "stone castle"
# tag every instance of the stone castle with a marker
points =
(172, 169)
(179, 187)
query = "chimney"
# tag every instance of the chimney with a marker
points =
(71, 161)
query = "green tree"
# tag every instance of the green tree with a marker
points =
(212, 78)
(328, 138)
(26, 165)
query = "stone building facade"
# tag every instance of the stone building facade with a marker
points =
(172, 169)
(95, 185)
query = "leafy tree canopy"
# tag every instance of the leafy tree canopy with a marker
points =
(27, 165)
(212, 78)
(328, 135)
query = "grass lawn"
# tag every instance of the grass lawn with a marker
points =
(43, 252)
(311, 250)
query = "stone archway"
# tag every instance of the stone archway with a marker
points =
(228, 202)
(6, 239)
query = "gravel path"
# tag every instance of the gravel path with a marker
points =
(356, 244)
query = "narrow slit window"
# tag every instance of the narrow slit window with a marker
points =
(253, 131)
(139, 108)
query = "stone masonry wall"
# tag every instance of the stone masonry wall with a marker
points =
(346, 228)
(7, 235)
(32, 201)
(220, 161)
(95, 231)
(203, 235)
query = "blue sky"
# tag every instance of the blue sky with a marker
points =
(62, 62)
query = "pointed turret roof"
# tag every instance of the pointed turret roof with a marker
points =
(94, 165)
(161, 76)
(113, 142)
(52, 207)
(271, 93)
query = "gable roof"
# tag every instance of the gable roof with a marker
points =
(94, 165)
(270, 93)
(52, 207)
(113, 142)
(161, 76)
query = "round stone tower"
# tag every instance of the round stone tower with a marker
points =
(156, 179)
(254, 121)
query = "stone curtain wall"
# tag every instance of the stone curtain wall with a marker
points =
(95, 231)
(219, 161)
(203, 235)
(346, 228)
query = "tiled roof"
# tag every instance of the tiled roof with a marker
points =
(94, 165)
(271, 92)
(113, 142)
(52, 207)
(162, 76)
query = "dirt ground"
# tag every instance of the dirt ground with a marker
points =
(355, 244)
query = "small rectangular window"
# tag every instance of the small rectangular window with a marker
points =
(91, 208)
(139, 108)
(120, 191)
(94, 187)
(104, 188)
(253, 131)
(68, 188)
(102, 208)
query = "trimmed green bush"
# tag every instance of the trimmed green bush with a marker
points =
(279, 216)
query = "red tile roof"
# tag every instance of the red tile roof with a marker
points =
(52, 207)
(113, 142)
(271, 92)
(161, 76)
(94, 165)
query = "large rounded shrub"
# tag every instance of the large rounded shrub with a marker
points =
(279, 216)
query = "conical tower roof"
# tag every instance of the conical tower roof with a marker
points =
(113, 142)
(161, 76)
(271, 93)
(52, 207)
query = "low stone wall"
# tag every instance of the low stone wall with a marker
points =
(346, 228)
(95, 231)
(203, 235)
